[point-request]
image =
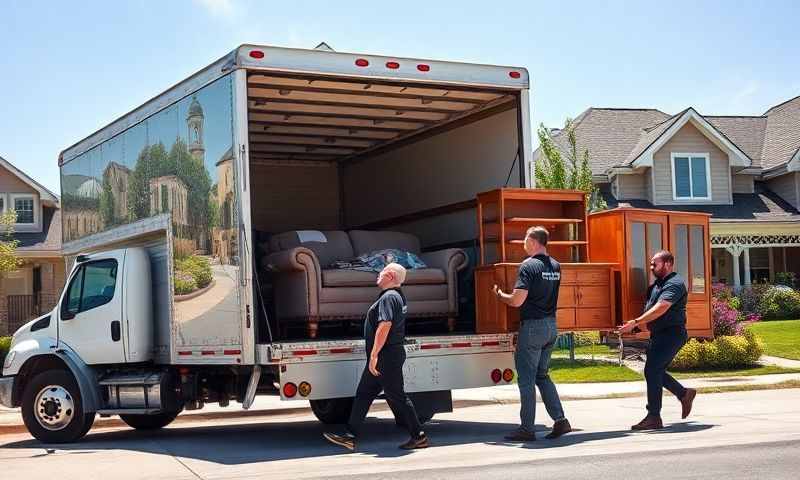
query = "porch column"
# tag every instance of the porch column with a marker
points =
(746, 252)
(771, 265)
(735, 251)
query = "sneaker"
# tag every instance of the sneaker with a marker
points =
(650, 422)
(415, 443)
(559, 428)
(686, 402)
(347, 440)
(521, 435)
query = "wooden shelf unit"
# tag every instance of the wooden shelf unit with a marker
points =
(505, 214)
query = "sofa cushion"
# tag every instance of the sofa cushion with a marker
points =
(336, 247)
(348, 278)
(357, 278)
(366, 241)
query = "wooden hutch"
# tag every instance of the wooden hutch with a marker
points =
(630, 236)
(587, 289)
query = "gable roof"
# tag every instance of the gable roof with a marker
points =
(47, 242)
(617, 137)
(45, 195)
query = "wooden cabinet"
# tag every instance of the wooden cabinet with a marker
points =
(505, 214)
(584, 297)
(630, 237)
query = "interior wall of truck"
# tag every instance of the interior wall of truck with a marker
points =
(347, 172)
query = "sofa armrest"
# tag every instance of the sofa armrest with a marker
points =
(295, 259)
(451, 260)
(297, 288)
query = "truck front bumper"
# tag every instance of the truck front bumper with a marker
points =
(6, 390)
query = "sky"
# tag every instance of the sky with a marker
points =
(69, 68)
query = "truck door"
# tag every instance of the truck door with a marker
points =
(90, 312)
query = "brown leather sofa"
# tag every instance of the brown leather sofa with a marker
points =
(308, 291)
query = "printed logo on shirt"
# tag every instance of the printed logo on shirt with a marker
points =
(551, 276)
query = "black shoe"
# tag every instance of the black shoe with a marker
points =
(347, 440)
(415, 443)
(559, 428)
(521, 435)
(650, 422)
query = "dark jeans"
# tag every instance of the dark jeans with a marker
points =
(664, 345)
(390, 364)
(532, 359)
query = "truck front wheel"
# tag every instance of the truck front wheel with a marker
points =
(332, 410)
(52, 408)
(149, 422)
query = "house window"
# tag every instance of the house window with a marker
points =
(691, 176)
(24, 208)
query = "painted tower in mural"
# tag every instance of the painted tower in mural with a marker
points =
(194, 120)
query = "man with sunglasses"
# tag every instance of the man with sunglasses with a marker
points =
(665, 318)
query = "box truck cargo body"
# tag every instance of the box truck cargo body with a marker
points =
(169, 210)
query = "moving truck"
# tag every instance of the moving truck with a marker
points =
(171, 214)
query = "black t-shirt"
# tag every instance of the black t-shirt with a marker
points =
(389, 307)
(671, 288)
(541, 277)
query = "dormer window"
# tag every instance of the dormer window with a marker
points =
(23, 205)
(691, 176)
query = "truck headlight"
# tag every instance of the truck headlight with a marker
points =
(9, 359)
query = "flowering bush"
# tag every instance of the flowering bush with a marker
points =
(779, 302)
(724, 352)
(725, 319)
(749, 297)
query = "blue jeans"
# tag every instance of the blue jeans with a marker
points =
(532, 359)
(664, 345)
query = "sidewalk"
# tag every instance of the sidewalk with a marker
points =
(11, 419)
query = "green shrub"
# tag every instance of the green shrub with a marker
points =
(584, 339)
(184, 283)
(749, 297)
(725, 352)
(786, 278)
(779, 303)
(198, 267)
(5, 346)
(735, 303)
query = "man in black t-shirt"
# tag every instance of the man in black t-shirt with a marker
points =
(665, 317)
(384, 335)
(536, 293)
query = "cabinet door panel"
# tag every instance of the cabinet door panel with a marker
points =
(565, 318)
(593, 296)
(566, 296)
(698, 316)
(594, 319)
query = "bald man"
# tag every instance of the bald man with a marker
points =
(384, 332)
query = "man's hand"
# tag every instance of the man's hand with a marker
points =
(496, 290)
(627, 328)
(373, 366)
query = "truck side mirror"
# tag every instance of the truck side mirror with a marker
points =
(67, 315)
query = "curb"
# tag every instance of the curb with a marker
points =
(196, 293)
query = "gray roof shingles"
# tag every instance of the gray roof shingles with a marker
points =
(782, 134)
(49, 239)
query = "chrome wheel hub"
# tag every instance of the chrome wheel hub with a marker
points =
(54, 407)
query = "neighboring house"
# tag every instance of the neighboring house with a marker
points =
(743, 170)
(34, 288)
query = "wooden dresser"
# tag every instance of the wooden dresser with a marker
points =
(585, 299)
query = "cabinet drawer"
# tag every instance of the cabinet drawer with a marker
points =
(569, 276)
(593, 296)
(565, 318)
(593, 277)
(566, 296)
(593, 318)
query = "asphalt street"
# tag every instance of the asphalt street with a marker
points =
(731, 435)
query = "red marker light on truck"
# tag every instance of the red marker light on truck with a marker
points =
(514, 74)
(362, 62)
(497, 375)
(256, 54)
(423, 68)
(289, 390)
(392, 65)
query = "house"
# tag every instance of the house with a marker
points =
(34, 288)
(743, 170)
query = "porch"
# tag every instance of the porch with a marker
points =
(740, 259)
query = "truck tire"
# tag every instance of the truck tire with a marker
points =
(332, 410)
(149, 422)
(52, 408)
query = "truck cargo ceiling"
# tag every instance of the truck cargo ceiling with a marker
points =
(325, 119)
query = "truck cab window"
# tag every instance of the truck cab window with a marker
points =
(92, 286)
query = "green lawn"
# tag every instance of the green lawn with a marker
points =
(781, 337)
(603, 350)
(740, 372)
(590, 371)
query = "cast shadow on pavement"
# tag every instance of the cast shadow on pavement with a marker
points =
(239, 444)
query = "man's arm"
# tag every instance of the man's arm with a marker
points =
(513, 299)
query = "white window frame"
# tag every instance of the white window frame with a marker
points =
(675, 197)
(26, 227)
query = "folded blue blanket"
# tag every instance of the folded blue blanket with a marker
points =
(377, 261)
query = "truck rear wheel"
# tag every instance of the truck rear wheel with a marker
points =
(332, 410)
(149, 422)
(52, 408)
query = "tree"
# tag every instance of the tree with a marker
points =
(8, 245)
(552, 172)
